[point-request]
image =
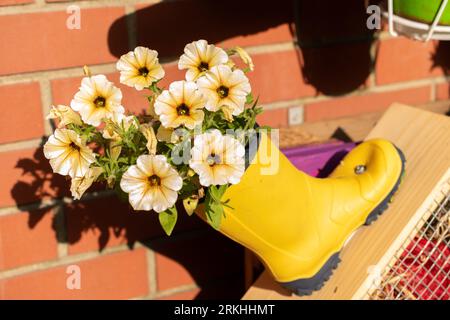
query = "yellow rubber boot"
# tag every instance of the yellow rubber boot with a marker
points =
(297, 224)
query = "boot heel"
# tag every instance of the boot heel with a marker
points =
(305, 287)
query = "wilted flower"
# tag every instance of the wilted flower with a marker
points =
(65, 115)
(149, 134)
(117, 123)
(82, 183)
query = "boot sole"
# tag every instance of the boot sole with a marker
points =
(306, 286)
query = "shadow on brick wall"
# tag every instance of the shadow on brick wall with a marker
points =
(335, 45)
(168, 25)
(333, 38)
(193, 254)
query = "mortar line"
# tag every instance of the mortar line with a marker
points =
(48, 203)
(57, 262)
(74, 258)
(61, 231)
(151, 273)
(433, 95)
(46, 101)
(179, 289)
(20, 145)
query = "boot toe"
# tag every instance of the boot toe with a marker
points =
(377, 165)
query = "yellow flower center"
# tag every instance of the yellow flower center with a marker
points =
(213, 159)
(183, 110)
(154, 181)
(74, 146)
(100, 102)
(143, 71)
(203, 66)
(223, 91)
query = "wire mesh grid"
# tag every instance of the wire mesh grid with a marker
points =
(420, 269)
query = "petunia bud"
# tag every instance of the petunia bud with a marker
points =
(245, 58)
(148, 132)
(114, 150)
(227, 113)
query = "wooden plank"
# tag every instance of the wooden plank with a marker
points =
(424, 137)
(348, 129)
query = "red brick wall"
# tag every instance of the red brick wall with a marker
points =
(329, 68)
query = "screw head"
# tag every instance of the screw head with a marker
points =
(359, 169)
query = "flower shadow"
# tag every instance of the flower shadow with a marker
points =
(331, 38)
(100, 221)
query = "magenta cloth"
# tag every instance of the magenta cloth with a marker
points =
(318, 160)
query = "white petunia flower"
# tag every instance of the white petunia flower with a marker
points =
(65, 115)
(217, 159)
(152, 184)
(182, 104)
(97, 99)
(224, 88)
(140, 68)
(81, 184)
(68, 153)
(199, 57)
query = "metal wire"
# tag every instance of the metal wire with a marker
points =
(420, 269)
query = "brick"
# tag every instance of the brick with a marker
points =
(277, 118)
(97, 224)
(246, 24)
(29, 50)
(197, 259)
(278, 76)
(24, 119)
(14, 2)
(27, 177)
(26, 238)
(443, 91)
(357, 104)
(121, 275)
(400, 59)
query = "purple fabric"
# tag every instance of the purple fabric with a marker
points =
(318, 160)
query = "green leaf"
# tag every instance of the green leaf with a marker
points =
(249, 98)
(213, 205)
(168, 219)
